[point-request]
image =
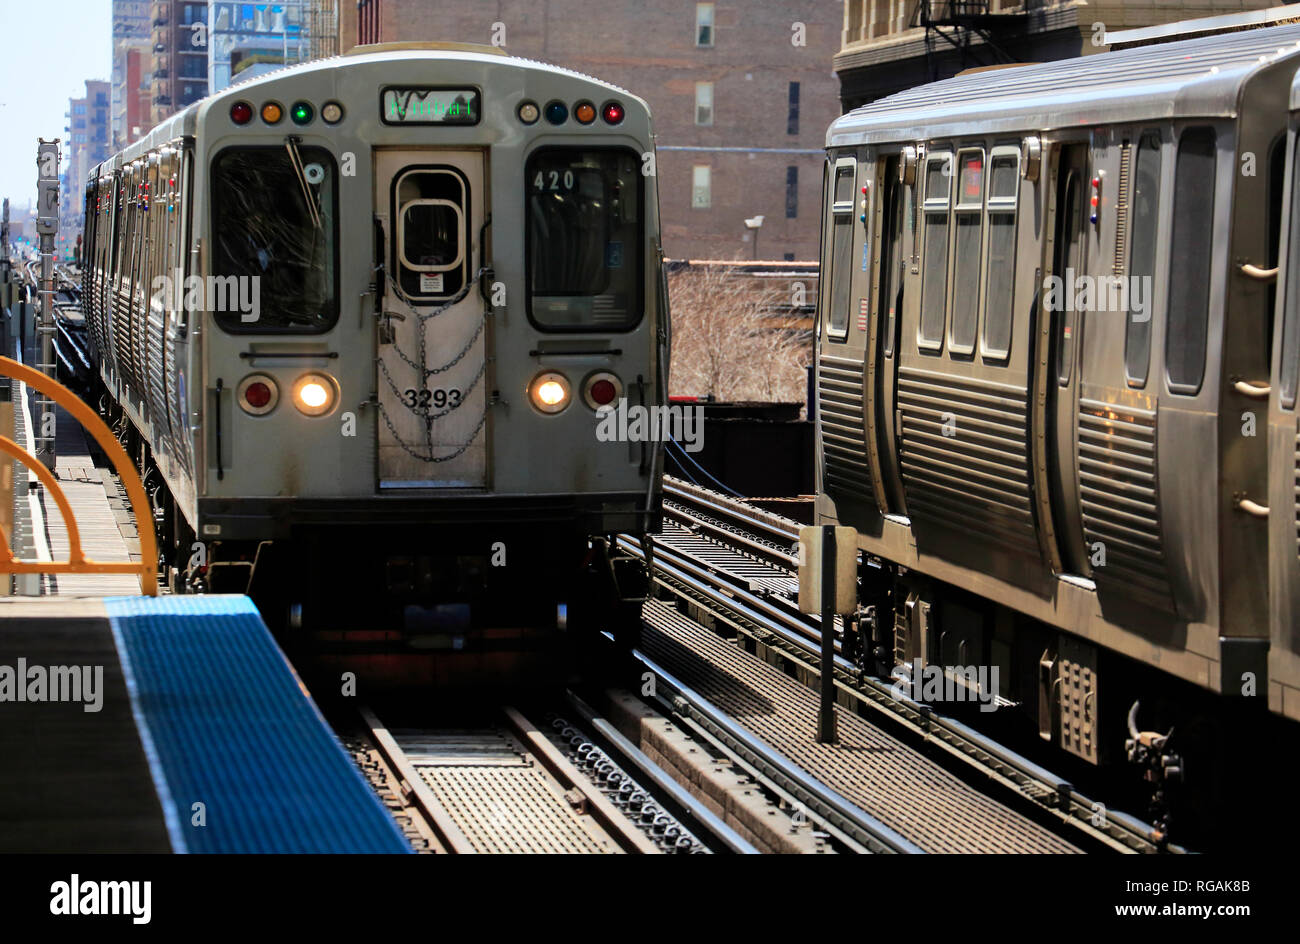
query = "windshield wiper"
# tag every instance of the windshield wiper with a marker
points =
(295, 161)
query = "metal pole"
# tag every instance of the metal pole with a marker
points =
(47, 225)
(826, 716)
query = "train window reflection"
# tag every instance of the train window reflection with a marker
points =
(274, 225)
(1142, 255)
(432, 232)
(1291, 304)
(968, 244)
(1189, 281)
(934, 270)
(842, 246)
(1004, 178)
(584, 238)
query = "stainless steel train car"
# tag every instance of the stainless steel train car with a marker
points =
(1047, 385)
(356, 319)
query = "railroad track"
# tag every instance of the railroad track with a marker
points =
(734, 565)
(517, 787)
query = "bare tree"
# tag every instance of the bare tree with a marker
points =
(730, 339)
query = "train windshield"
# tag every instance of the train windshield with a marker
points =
(274, 222)
(584, 238)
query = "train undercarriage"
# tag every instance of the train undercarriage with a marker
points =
(408, 604)
(1171, 748)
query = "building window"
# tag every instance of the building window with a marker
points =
(791, 193)
(792, 121)
(701, 187)
(194, 67)
(789, 257)
(704, 103)
(704, 24)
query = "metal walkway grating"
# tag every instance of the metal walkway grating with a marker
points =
(888, 779)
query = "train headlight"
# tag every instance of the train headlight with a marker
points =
(257, 394)
(601, 389)
(549, 392)
(528, 113)
(331, 113)
(315, 394)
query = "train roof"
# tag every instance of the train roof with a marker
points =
(184, 122)
(1192, 78)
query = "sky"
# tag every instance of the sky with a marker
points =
(50, 48)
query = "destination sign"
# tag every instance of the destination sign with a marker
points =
(415, 106)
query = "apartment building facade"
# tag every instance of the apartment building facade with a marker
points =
(741, 95)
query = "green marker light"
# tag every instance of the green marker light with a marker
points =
(301, 113)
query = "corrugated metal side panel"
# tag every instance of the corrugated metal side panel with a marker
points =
(1148, 65)
(976, 479)
(843, 435)
(158, 413)
(177, 422)
(1119, 499)
(121, 336)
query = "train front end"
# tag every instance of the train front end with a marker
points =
(445, 269)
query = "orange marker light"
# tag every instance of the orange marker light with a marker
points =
(272, 113)
(585, 112)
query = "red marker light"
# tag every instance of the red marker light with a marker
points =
(612, 113)
(1096, 181)
(257, 395)
(603, 392)
(241, 113)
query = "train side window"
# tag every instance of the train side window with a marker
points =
(891, 256)
(585, 246)
(1069, 247)
(1000, 281)
(1290, 367)
(1191, 245)
(968, 244)
(1142, 256)
(842, 247)
(934, 268)
(1276, 196)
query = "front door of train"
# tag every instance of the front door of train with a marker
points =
(431, 363)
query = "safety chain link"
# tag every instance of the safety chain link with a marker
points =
(421, 321)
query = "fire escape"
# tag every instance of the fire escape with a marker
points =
(955, 24)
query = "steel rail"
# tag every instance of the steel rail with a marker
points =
(801, 639)
(771, 765)
(689, 806)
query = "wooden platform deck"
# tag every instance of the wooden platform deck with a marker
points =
(107, 532)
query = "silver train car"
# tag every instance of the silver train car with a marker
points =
(356, 318)
(1054, 396)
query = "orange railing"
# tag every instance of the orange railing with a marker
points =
(77, 562)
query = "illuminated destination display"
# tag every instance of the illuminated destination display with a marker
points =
(443, 106)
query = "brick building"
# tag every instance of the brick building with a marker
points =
(891, 45)
(741, 95)
(85, 144)
(130, 32)
(180, 56)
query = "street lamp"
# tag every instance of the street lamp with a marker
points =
(755, 223)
